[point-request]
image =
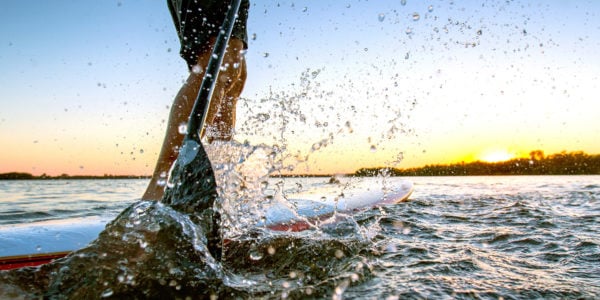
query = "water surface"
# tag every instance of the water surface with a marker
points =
(515, 237)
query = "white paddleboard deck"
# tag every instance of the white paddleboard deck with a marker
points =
(302, 210)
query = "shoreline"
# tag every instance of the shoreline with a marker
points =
(39, 178)
(538, 164)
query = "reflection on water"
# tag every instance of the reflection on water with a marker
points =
(490, 237)
(25, 201)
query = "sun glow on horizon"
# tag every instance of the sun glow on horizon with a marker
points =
(494, 156)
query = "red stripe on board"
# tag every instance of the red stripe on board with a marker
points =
(14, 262)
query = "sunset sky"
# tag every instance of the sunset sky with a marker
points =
(86, 86)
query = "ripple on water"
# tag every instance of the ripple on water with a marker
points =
(527, 239)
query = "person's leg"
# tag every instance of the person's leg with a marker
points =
(221, 115)
(180, 110)
(227, 90)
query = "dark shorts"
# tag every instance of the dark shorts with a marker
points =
(197, 21)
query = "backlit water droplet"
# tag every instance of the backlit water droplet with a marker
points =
(381, 17)
(416, 16)
(373, 148)
(316, 146)
(264, 185)
(162, 180)
(106, 293)
(182, 129)
(255, 254)
(196, 69)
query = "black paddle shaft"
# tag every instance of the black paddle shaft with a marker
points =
(198, 114)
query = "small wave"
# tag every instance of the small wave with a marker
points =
(591, 187)
(18, 217)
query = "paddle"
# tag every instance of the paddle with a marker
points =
(191, 187)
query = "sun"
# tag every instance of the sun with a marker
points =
(497, 156)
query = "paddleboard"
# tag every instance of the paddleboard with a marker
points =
(38, 243)
(304, 210)
(41, 242)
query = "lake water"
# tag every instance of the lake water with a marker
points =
(509, 237)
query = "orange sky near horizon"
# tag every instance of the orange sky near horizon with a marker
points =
(462, 82)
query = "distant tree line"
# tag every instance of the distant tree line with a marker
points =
(563, 163)
(27, 176)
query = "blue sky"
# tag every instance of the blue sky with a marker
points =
(85, 86)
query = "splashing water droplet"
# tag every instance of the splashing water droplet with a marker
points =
(373, 148)
(416, 16)
(266, 54)
(170, 184)
(255, 254)
(254, 36)
(316, 146)
(264, 185)
(182, 129)
(162, 180)
(106, 293)
(403, 2)
(430, 8)
(381, 17)
(196, 69)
